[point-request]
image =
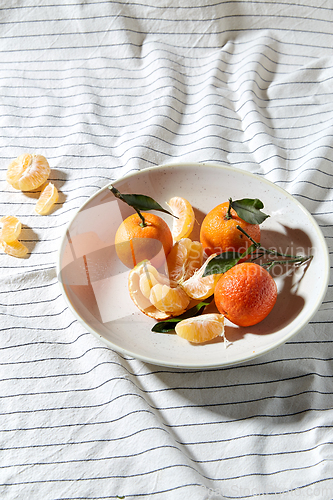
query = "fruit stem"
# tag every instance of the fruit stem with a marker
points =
(143, 223)
(228, 214)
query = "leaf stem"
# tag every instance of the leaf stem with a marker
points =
(255, 243)
(261, 251)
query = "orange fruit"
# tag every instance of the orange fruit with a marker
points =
(245, 294)
(183, 225)
(15, 248)
(219, 234)
(48, 197)
(201, 328)
(135, 243)
(28, 171)
(185, 257)
(11, 228)
(200, 287)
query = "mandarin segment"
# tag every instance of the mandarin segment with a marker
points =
(245, 294)
(201, 328)
(28, 172)
(219, 234)
(183, 225)
(48, 197)
(150, 277)
(15, 248)
(200, 287)
(11, 228)
(169, 300)
(185, 257)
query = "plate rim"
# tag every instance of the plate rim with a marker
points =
(191, 366)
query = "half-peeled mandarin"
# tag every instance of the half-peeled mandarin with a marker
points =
(153, 294)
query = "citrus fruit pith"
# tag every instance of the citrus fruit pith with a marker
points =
(135, 243)
(245, 294)
(219, 233)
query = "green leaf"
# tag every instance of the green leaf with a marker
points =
(169, 324)
(249, 210)
(222, 263)
(139, 201)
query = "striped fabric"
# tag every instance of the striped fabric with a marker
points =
(104, 88)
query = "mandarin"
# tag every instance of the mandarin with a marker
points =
(28, 171)
(135, 243)
(219, 234)
(245, 294)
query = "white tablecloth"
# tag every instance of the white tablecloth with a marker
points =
(104, 88)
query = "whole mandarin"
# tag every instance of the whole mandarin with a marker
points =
(135, 243)
(219, 234)
(245, 294)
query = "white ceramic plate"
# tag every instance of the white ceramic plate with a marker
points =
(94, 281)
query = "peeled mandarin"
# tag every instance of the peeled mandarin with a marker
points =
(201, 328)
(183, 225)
(11, 228)
(48, 197)
(28, 172)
